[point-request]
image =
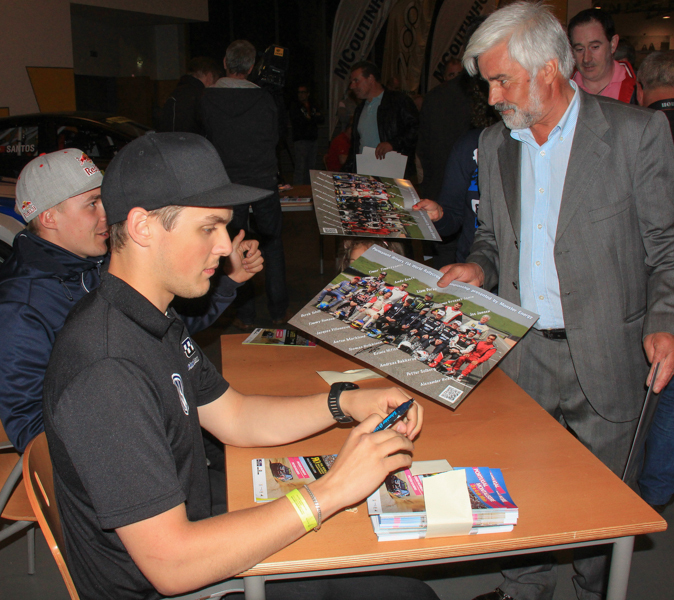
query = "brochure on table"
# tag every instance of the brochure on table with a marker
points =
(442, 344)
(369, 206)
(274, 477)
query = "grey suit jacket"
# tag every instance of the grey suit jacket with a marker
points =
(614, 248)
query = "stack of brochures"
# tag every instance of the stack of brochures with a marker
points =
(398, 510)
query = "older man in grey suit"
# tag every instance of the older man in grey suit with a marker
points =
(576, 224)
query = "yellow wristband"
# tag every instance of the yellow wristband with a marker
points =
(302, 508)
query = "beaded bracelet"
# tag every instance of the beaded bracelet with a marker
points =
(318, 507)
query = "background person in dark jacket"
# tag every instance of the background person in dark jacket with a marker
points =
(458, 201)
(181, 111)
(57, 261)
(305, 119)
(387, 120)
(242, 122)
(455, 209)
(444, 118)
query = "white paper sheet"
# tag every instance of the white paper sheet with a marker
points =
(448, 509)
(352, 375)
(392, 165)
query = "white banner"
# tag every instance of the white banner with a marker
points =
(449, 32)
(406, 35)
(357, 24)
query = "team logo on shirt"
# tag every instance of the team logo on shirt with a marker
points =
(178, 382)
(188, 347)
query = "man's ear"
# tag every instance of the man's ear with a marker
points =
(48, 219)
(139, 226)
(550, 70)
(640, 94)
(614, 43)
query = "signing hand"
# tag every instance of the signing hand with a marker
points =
(433, 209)
(382, 149)
(360, 404)
(659, 348)
(362, 464)
(466, 272)
(241, 268)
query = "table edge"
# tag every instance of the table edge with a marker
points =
(407, 555)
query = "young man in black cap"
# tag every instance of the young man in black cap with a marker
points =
(127, 390)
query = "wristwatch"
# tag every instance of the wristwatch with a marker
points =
(336, 390)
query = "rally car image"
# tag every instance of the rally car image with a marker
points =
(396, 486)
(280, 472)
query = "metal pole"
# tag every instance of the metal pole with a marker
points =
(254, 588)
(620, 568)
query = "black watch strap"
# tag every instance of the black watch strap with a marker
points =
(336, 390)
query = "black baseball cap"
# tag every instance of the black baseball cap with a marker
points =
(170, 169)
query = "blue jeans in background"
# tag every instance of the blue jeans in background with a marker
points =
(657, 478)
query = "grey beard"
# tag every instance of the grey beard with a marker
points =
(522, 119)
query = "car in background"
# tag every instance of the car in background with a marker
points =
(10, 221)
(99, 135)
(24, 137)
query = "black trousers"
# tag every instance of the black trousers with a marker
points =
(268, 227)
(361, 587)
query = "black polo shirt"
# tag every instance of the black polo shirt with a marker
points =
(120, 409)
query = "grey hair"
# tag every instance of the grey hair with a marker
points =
(534, 37)
(657, 70)
(240, 57)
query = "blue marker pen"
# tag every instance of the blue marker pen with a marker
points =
(395, 416)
